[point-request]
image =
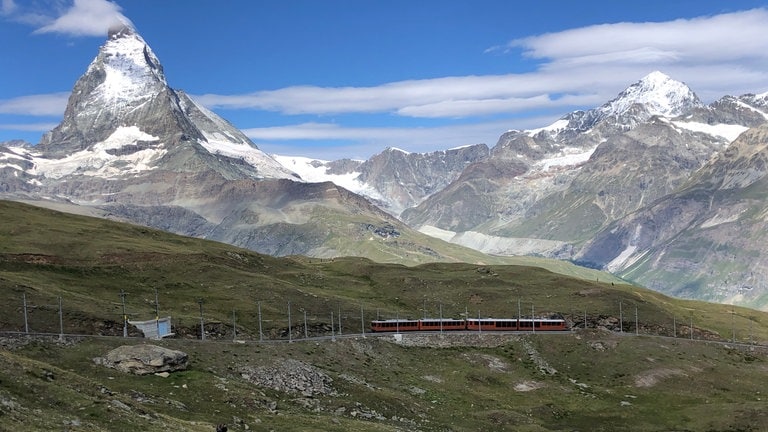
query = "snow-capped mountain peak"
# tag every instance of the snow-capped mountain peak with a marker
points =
(658, 94)
(129, 65)
(124, 94)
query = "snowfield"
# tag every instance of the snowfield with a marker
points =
(98, 162)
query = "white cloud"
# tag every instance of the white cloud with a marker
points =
(28, 127)
(362, 142)
(7, 7)
(712, 39)
(715, 55)
(52, 104)
(87, 18)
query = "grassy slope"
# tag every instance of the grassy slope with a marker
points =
(604, 381)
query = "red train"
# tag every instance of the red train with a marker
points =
(470, 324)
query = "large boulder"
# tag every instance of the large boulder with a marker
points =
(144, 359)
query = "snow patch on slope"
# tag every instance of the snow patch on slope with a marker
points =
(554, 127)
(224, 139)
(727, 131)
(627, 257)
(569, 156)
(268, 167)
(495, 245)
(99, 162)
(751, 108)
(316, 171)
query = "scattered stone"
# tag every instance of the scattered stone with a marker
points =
(527, 386)
(291, 376)
(119, 405)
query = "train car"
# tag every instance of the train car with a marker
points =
(541, 324)
(492, 324)
(394, 325)
(445, 324)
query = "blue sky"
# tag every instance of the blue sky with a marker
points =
(347, 78)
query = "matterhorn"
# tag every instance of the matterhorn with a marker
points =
(123, 116)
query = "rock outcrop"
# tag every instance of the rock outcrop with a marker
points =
(144, 359)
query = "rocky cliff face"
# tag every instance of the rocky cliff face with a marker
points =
(705, 239)
(406, 179)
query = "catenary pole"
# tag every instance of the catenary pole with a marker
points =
(157, 314)
(362, 320)
(261, 333)
(289, 322)
(234, 325)
(441, 318)
(125, 316)
(61, 321)
(26, 319)
(621, 318)
(637, 323)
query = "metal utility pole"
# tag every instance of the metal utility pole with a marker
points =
(339, 320)
(61, 321)
(234, 326)
(674, 326)
(733, 325)
(261, 334)
(533, 320)
(125, 316)
(479, 323)
(306, 334)
(362, 320)
(441, 318)
(397, 321)
(202, 323)
(26, 320)
(621, 318)
(691, 325)
(333, 335)
(424, 307)
(289, 322)
(157, 314)
(637, 323)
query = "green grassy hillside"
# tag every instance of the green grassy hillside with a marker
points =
(591, 379)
